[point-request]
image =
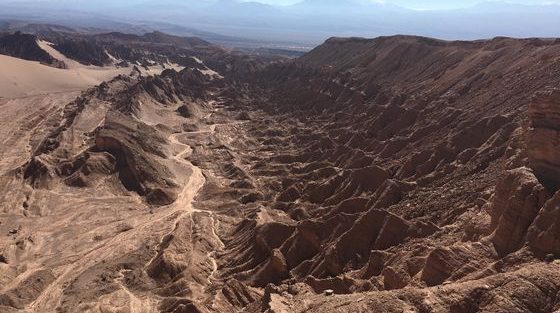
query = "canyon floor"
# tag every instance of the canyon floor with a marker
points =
(396, 174)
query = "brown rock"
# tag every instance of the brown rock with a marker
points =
(289, 195)
(273, 270)
(375, 264)
(377, 229)
(395, 278)
(184, 111)
(440, 264)
(544, 234)
(278, 262)
(84, 170)
(519, 197)
(543, 137)
(238, 294)
(27, 290)
(138, 149)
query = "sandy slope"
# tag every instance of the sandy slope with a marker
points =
(19, 78)
(23, 78)
(71, 64)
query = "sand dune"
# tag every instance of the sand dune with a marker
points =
(23, 78)
(19, 78)
(70, 64)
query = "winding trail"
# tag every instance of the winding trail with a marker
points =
(174, 213)
(184, 202)
(196, 180)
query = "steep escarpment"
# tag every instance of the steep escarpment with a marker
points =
(85, 51)
(542, 141)
(542, 137)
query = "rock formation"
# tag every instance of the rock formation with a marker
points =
(518, 198)
(543, 137)
(543, 142)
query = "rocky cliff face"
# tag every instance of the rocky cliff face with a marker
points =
(542, 143)
(543, 137)
(519, 196)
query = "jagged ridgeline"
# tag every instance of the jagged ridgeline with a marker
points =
(397, 174)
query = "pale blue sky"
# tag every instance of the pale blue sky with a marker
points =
(411, 4)
(425, 4)
(306, 25)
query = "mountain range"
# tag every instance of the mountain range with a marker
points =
(307, 23)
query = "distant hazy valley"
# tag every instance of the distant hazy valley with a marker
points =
(298, 26)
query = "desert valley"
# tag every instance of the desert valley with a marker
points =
(160, 173)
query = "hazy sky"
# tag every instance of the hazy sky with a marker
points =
(425, 4)
(411, 4)
(302, 25)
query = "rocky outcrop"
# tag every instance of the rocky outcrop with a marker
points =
(238, 294)
(452, 263)
(543, 138)
(85, 51)
(274, 270)
(151, 49)
(39, 172)
(87, 168)
(544, 234)
(173, 255)
(543, 142)
(518, 198)
(138, 149)
(375, 230)
(395, 278)
(184, 111)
